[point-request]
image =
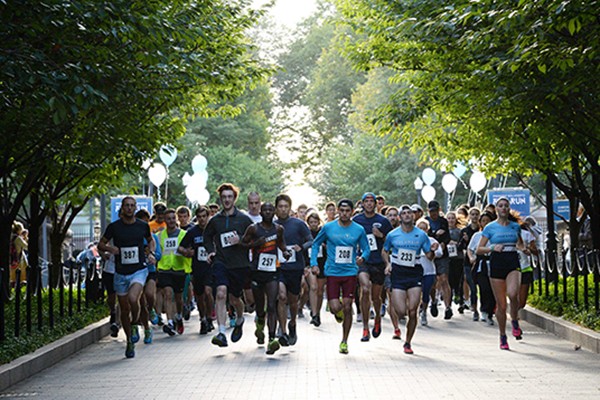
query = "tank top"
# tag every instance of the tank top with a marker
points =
(264, 258)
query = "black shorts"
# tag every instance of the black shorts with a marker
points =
(292, 279)
(152, 276)
(174, 280)
(376, 272)
(108, 282)
(502, 264)
(201, 278)
(527, 278)
(259, 278)
(442, 266)
(234, 279)
(321, 264)
(405, 278)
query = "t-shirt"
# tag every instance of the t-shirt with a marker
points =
(296, 232)
(406, 247)
(375, 243)
(129, 238)
(427, 264)
(342, 247)
(156, 227)
(194, 238)
(500, 234)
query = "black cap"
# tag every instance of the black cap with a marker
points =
(433, 205)
(346, 202)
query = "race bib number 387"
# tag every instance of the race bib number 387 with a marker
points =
(130, 255)
(343, 254)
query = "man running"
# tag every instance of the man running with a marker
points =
(230, 264)
(405, 244)
(371, 275)
(343, 237)
(265, 238)
(192, 245)
(298, 239)
(172, 270)
(128, 234)
(254, 207)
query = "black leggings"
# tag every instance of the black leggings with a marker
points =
(488, 301)
(269, 290)
(455, 277)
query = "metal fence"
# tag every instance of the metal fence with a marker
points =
(66, 291)
(560, 270)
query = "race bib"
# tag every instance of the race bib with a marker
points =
(226, 238)
(404, 258)
(343, 254)
(201, 254)
(267, 262)
(319, 254)
(452, 250)
(372, 242)
(130, 255)
(170, 246)
(292, 258)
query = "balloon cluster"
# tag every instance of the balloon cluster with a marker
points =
(450, 180)
(195, 185)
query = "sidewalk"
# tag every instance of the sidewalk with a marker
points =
(456, 359)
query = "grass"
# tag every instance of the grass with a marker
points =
(14, 347)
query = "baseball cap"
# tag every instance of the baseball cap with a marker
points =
(433, 205)
(346, 202)
(415, 207)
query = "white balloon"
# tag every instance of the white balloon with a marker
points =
(199, 179)
(428, 193)
(157, 174)
(203, 197)
(199, 163)
(477, 181)
(186, 179)
(192, 193)
(459, 169)
(449, 183)
(167, 154)
(428, 176)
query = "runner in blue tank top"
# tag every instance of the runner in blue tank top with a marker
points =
(502, 238)
(343, 238)
(405, 244)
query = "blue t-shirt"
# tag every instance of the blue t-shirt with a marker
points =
(500, 234)
(295, 232)
(406, 247)
(342, 248)
(375, 243)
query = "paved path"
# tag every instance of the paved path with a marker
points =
(456, 359)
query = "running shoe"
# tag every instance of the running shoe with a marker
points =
(358, 318)
(236, 335)
(434, 309)
(187, 311)
(203, 327)
(259, 332)
(179, 326)
(315, 320)
(232, 322)
(209, 324)
(339, 316)
(372, 314)
(396, 334)
(377, 329)
(273, 346)
(160, 321)
(135, 334)
(153, 317)
(366, 336)
(517, 332)
(475, 316)
(490, 320)
(448, 314)
(344, 348)
(461, 309)
(292, 334)
(130, 350)
(219, 340)
(504, 343)
(169, 329)
(284, 340)
(383, 309)
(114, 329)
(300, 313)
(484, 316)
(423, 315)
(408, 349)
(148, 336)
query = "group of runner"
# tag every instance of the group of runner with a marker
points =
(273, 260)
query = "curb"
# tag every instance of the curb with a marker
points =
(46, 356)
(584, 337)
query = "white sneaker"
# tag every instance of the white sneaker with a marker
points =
(484, 316)
(359, 318)
(423, 315)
